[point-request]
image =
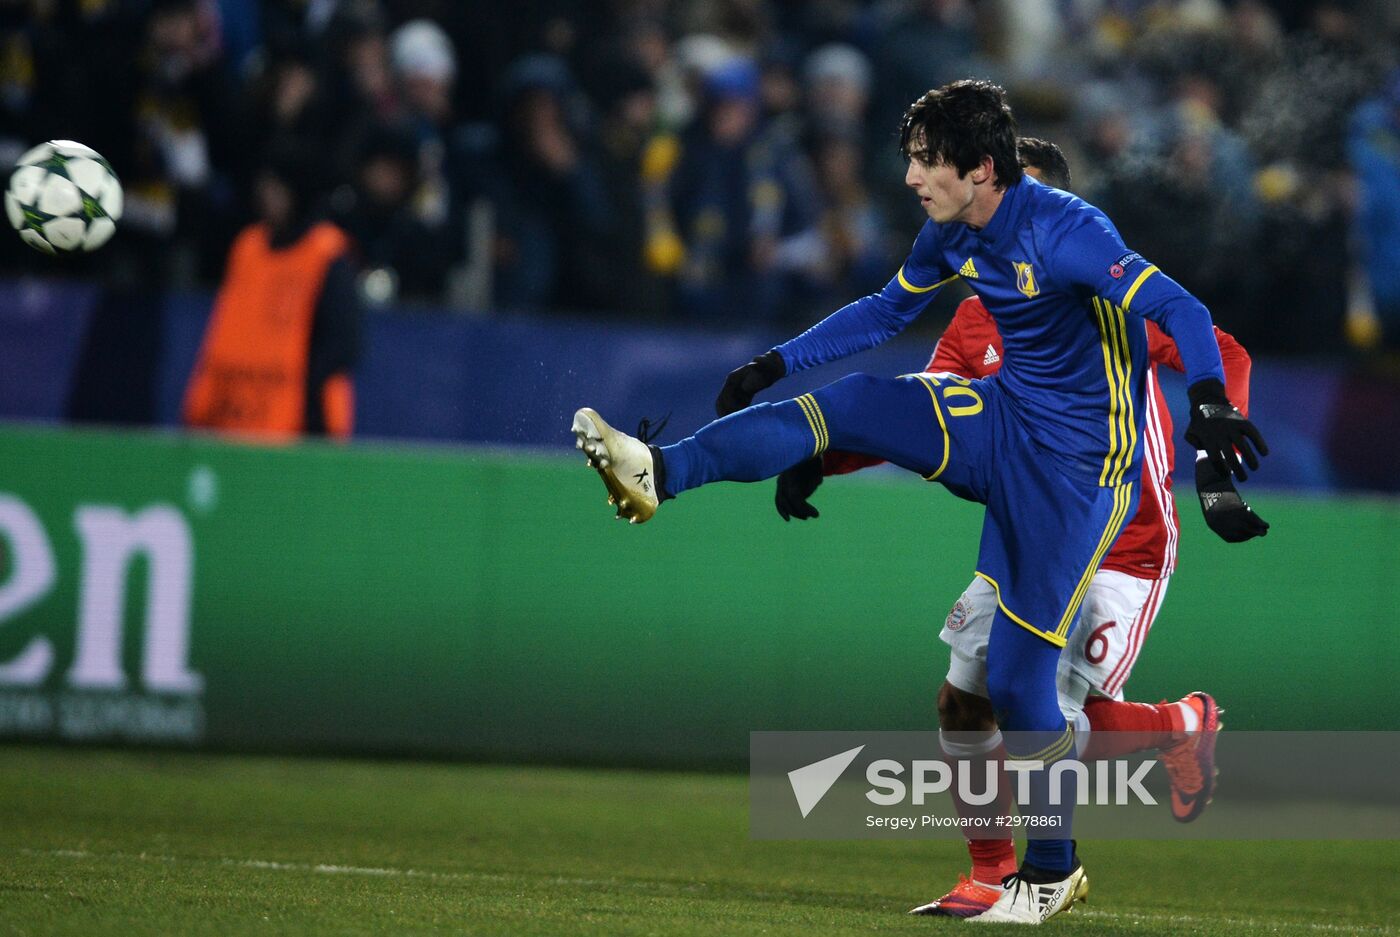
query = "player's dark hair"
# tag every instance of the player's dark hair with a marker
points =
(1046, 157)
(960, 123)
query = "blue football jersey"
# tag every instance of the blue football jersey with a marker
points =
(1068, 298)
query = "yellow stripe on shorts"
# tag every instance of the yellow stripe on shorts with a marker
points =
(1055, 639)
(929, 385)
(1122, 497)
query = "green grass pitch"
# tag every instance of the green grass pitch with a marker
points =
(120, 843)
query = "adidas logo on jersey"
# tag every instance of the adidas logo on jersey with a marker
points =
(991, 357)
(968, 271)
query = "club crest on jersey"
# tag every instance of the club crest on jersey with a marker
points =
(958, 616)
(1025, 280)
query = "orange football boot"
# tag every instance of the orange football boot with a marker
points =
(1190, 763)
(967, 899)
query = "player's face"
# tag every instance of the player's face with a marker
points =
(944, 194)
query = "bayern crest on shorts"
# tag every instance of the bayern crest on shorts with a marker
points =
(958, 616)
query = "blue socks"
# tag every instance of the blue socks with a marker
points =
(1021, 682)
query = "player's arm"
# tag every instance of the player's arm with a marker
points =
(1093, 258)
(853, 328)
(1224, 510)
(1234, 360)
(1236, 363)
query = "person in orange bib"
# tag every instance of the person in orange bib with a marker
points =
(283, 339)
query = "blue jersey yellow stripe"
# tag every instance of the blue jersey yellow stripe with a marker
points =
(1128, 395)
(921, 289)
(1118, 372)
(1125, 390)
(1109, 377)
(1110, 326)
(1141, 278)
(1113, 326)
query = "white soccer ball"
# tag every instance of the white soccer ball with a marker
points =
(64, 197)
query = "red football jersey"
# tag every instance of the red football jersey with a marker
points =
(971, 347)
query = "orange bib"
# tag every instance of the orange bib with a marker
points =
(251, 373)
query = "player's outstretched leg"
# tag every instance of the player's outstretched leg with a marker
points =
(892, 418)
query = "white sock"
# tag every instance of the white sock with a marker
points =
(1190, 722)
(1081, 733)
(968, 749)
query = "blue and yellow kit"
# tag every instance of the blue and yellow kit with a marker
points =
(1051, 444)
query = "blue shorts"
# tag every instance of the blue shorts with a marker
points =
(1046, 530)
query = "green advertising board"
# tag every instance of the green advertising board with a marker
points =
(175, 590)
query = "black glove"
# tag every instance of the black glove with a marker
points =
(742, 383)
(1225, 511)
(795, 486)
(1218, 430)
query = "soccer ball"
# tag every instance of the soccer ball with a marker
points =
(64, 197)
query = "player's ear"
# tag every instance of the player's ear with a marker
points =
(983, 172)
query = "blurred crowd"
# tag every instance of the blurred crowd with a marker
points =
(726, 161)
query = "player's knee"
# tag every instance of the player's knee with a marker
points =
(847, 406)
(852, 395)
(1010, 695)
(960, 711)
(859, 382)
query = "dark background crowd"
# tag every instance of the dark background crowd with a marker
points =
(723, 161)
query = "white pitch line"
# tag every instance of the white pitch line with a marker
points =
(328, 869)
(1158, 917)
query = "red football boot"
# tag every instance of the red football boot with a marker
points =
(1190, 763)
